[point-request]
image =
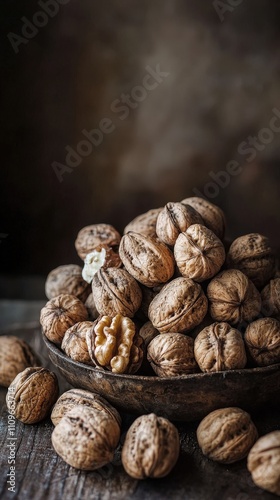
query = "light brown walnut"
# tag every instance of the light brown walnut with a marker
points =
(32, 394)
(262, 339)
(144, 223)
(178, 307)
(67, 279)
(172, 355)
(226, 435)
(219, 347)
(74, 342)
(233, 298)
(86, 438)
(61, 313)
(151, 447)
(199, 253)
(174, 219)
(271, 299)
(15, 356)
(212, 215)
(91, 237)
(264, 462)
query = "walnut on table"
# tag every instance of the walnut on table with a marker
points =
(264, 462)
(15, 356)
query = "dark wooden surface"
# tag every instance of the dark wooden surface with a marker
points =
(41, 474)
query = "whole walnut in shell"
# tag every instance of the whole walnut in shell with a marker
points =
(74, 342)
(264, 462)
(172, 355)
(178, 307)
(15, 356)
(148, 260)
(233, 298)
(252, 255)
(151, 447)
(270, 296)
(174, 219)
(144, 223)
(32, 394)
(115, 291)
(86, 438)
(61, 313)
(67, 279)
(74, 397)
(212, 215)
(219, 347)
(226, 435)
(199, 254)
(96, 235)
(262, 339)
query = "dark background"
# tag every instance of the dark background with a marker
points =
(223, 83)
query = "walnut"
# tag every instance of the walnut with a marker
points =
(219, 347)
(174, 219)
(271, 299)
(212, 215)
(144, 223)
(15, 356)
(74, 342)
(148, 260)
(233, 297)
(91, 237)
(226, 435)
(148, 332)
(178, 307)
(262, 339)
(115, 291)
(252, 255)
(199, 254)
(74, 397)
(264, 462)
(67, 279)
(151, 447)
(59, 314)
(114, 344)
(32, 394)
(172, 355)
(103, 256)
(91, 308)
(86, 438)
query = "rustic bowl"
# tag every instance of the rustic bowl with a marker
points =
(185, 398)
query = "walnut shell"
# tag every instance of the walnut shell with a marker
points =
(172, 355)
(199, 253)
(148, 260)
(262, 339)
(233, 297)
(59, 314)
(212, 215)
(115, 291)
(271, 299)
(264, 462)
(226, 435)
(144, 223)
(91, 308)
(32, 394)
(74, 397)
(174, 219)
(178, 307)
(86, 438)
(219, 347)
(151, 447)
(252, 255)
(90, 237)
(74, 342)
(67, 279)
(15, 356)
(148, 332)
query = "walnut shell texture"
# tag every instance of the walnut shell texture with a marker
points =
(178, 307)
(67, 279)
(262, 339)
(32, 394)
(74, 342)
(226, 435)
(90, 237)
(15, 356)
(172, 355)
(219, 347)
(264, 462)
(151, 447)
(271, 299)
(174, 219)
(212, 215)
(86, 438)
(199, 253)
(144, 223)
(59, 314)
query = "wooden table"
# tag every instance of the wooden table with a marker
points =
(41, 474)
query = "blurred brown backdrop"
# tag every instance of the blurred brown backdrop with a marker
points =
(222, 86)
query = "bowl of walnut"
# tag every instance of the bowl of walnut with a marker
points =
(168, 317)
